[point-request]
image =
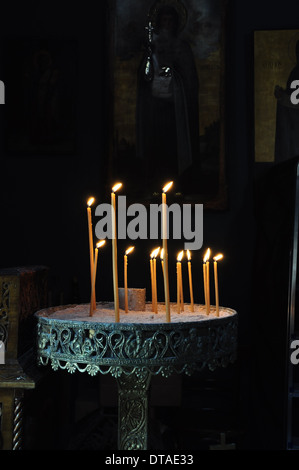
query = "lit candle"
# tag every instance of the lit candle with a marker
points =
(190, 281)
(94, 274)
(162, 261)
(165, 252)
(154, 255)
(178, 289)
(91, 251)
(114, 251)
(152, 281)
(216, 258)
(179, 282)
(206, 279)
(129, 250)
(156, 252)
(205, 284)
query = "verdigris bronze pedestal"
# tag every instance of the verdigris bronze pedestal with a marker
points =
(133, 350)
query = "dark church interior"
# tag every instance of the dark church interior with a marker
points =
(250, 403)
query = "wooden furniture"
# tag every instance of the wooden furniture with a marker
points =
(23, 291)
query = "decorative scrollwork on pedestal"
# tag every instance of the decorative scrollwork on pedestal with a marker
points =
(160, 349)
(132, 353)
(132, 410)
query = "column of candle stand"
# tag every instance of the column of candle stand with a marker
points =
(94, 274)
(90, 237)
(114, 251)
(128, 251)
(165, 252)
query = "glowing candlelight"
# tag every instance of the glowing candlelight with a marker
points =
(91, 251)
(216, 258)
(180, 299)
(154, 255)
(128, 251)
(165, 252)
(115, 188)
(94, 274)
(206, 275)
(190, 281)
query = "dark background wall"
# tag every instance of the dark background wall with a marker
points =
(43, 198)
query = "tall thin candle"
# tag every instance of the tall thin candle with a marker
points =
(155, 277)
(162, 260)
(114, 251)
(93, 283)
(165, 252)
(190, 281)
(206, 279)
(208, 282)
(180, 301)
(129, 250)
(152, 282)
(90, 236)
(154, 255)
(216, 258)
(205, 285)
(178, 289)
(181, 284)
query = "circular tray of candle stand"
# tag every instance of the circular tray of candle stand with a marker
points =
(140, 345)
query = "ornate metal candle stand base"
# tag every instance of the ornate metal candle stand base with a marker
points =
(133, 353)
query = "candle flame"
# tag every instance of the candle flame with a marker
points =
(155, 252)
(162, 253)
(129, 250)
(167, 186)
(218, 257)
(90, 201)
(180, 255)
(116, 187)
(188, 255)
(207, 255)
(100, 243)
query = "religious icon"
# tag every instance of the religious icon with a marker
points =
(167, 104)
(168, 101)
(276, 56)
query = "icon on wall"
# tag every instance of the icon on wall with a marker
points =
(276, 67)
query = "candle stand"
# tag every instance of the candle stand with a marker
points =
(132, 353)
